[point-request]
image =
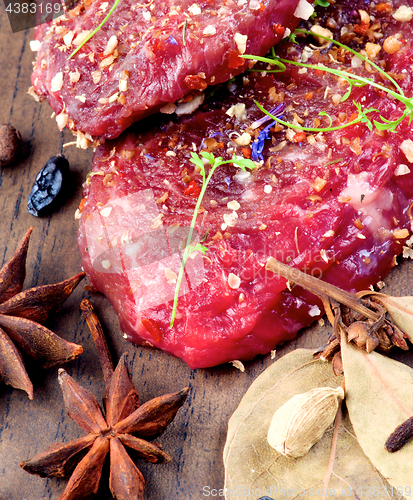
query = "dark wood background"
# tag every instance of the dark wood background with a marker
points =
(197, 436)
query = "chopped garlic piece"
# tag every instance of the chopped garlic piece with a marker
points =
(243, 140)
(194, 9)
(237, 110)
(209, 30)
(237, 364)
(234, 281)
(168, 109)
(241, 41)
(407, 147)
(62, 120)
(111, 45)
(81, 37)
(233, 205)
(403, 13)
(57, 82)
(35, 45)
(303, 10)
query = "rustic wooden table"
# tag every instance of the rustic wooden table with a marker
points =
(196, 438)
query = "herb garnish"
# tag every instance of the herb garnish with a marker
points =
(242, 163)
(353, 80)
(96, 29)
(184, 31)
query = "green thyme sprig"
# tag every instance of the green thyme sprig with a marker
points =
(353, 81)
(190, 247)
(95, 30)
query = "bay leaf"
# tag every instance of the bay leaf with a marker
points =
(254, 469)
(379, 397)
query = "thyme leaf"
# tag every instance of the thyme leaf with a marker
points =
(184, 31)
(95, 30)
(214, 163)
(353, 81)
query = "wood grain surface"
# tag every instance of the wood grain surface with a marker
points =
(196, 438)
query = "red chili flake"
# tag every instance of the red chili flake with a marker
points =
(247, 152)
(262, 7)
(192, 190)
(152, 327)
(318, 72)
(384, 7)
(195, 82)
(299, 137)
(82, 205)
(235, 60)
(278, 29)
(361, 28)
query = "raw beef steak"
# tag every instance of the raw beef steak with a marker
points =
(148, 56)
(335, 204)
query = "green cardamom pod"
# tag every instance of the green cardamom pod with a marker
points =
(299, 423)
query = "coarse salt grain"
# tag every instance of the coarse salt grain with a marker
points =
(267, 189)
(314, 311)
(105, 212)
(402, 169)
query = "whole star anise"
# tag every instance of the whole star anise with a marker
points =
(126, 424)
(22, 314)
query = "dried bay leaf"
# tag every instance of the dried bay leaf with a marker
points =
(379, 397)
(254, 469)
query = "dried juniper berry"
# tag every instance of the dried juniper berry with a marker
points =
(50, 187)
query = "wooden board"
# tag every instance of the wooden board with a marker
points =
(196, 438)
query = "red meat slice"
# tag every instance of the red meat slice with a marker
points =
(147, 56)
(335, 204)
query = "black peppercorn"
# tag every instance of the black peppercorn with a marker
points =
(10, 144)
(50, 187)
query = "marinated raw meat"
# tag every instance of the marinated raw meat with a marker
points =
(149, 56)
(335, 204)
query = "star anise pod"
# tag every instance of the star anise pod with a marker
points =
(22, 314)
(125, 424)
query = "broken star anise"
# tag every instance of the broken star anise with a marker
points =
(22, 314)
(361, 317)
(126, 424)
